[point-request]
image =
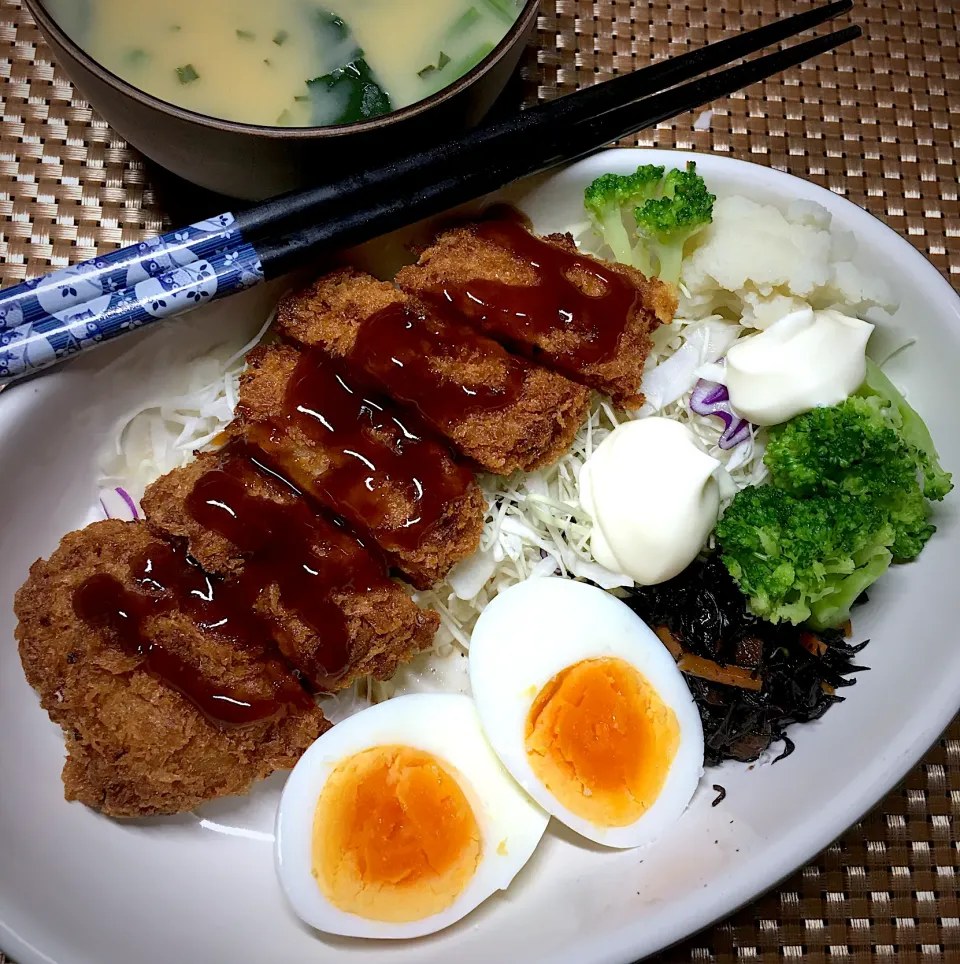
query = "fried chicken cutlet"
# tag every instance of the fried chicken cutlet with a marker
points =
(364, 457)
(324, 597)
(588, 319)
(502, 412)
(138, 741)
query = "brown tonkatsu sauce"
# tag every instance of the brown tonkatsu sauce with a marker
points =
(305, 555)
(522, 315)
(170, 583)
(410, 349)
(375, 451)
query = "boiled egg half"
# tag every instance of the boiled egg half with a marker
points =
(587, 710)
(400, 820)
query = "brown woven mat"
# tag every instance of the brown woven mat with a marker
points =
(874, 122)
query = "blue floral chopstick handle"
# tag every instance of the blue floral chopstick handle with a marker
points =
(70, 310)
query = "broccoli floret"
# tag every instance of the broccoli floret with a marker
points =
(936, 482)
(666, 223)
(854, 450)
(845, 500)
(607, 198)
(668, 211)
(851, 448)
(908, 512)
(803, 559)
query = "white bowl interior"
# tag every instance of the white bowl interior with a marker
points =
(78, 888)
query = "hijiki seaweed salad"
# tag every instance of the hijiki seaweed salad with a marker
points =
(750, 678)
(790, 472)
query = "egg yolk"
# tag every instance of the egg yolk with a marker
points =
(601, 740)
(394, 836)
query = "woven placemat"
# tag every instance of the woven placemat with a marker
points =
(876, 122)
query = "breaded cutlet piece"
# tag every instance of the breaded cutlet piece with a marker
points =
(462, 256)
(532, 414)
(135, 746)
(384, 627)
(262, 420)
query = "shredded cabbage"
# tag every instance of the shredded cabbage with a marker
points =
(536, 526)
(164, 433)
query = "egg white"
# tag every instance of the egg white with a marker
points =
(446, 725)
(531, 632)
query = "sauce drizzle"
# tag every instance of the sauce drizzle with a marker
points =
(168, 583)
(409, 349)
(388, 475)
(306, 556)
(553, 319)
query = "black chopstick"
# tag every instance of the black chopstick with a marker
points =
(287, 213)
(366, 220)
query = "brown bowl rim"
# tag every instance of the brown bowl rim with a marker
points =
(48, 25)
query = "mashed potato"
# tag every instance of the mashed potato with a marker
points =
(757, 263)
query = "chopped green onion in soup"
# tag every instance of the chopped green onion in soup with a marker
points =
(289, 62)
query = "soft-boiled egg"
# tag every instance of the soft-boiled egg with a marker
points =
(586, 709)
(400, 820)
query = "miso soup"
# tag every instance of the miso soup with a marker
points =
(296, 63)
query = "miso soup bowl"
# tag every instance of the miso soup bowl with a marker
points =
(251, 162)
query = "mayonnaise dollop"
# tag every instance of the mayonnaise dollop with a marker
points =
(654, 499)
(806, 359)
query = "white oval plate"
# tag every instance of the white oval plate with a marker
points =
(78, 888)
